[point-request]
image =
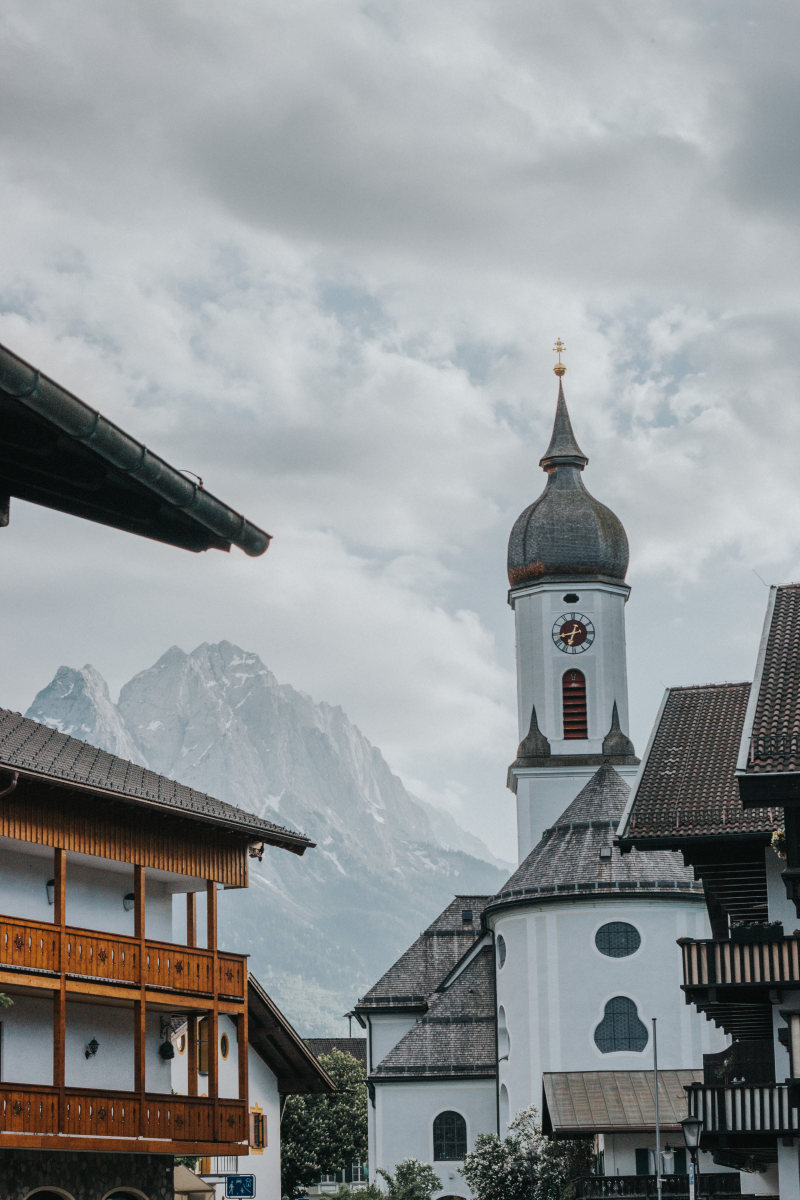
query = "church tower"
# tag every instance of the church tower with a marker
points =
(567, 560)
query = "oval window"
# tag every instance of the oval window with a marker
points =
(617, 939)
(501, 950)
(224, 1045)
(180, 1042)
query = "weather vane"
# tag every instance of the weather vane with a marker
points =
(559, 349)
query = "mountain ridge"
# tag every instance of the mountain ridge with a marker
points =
(218, 720)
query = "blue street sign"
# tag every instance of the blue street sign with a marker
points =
(240, 1185)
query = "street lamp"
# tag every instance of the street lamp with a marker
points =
(692, 1132)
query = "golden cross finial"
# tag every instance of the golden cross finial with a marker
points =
(559, 348)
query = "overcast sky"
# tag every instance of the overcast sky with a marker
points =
(317, 251)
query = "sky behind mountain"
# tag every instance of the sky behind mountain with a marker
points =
(318, 253)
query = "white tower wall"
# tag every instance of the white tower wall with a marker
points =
(555, 983)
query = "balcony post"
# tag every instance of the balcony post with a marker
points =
(191, 1050)
(191, 919)
(241, 1039)
(60, 995)
(140, 1005)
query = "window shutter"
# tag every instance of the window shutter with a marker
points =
(573, 689)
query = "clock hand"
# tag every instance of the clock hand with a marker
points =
(570, 638)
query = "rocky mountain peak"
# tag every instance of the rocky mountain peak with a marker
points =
(218, 720)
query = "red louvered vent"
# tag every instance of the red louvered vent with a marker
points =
(574, 692)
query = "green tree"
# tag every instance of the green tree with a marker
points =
(412, 1180)
(5, 1001)
(525, 1165)
(324, 1133)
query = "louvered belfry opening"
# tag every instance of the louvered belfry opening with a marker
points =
(574, 692)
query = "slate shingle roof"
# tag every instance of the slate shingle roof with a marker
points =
(456, 1037)
(566, 532)
(568, 862)
(356, 1047)
(772, 732)
(687, 787)
(420, 970)
(37, 750)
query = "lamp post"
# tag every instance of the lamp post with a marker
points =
(692, 1131)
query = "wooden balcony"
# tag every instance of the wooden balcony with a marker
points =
(41, 1118)
(644, 1187)
(749, 1111)
(752, 965)
(37, 946)
(735, 982)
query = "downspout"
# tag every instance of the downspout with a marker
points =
(14, 781)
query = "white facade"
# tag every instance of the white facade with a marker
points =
(554, 985)
(264, 1163)
(404, 1116)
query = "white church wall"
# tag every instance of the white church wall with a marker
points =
(405, 1112)
(385, 1031)
(555, 984)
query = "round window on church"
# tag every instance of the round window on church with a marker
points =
(617, 939)
(501, 950)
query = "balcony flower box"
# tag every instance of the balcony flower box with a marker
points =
(760, 931)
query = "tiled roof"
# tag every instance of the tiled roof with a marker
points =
(457, 1034)
(420, 970)
(356, 1047)
(772, 730)
(37, 750)
(577, 856)
(686, 787)
(609, 1101)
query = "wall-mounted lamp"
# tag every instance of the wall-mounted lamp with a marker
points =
(91, 1048)
(128, 901)
(166, 1051)
(50, 888)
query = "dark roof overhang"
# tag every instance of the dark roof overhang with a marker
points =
(280, 1046)
(58, 452)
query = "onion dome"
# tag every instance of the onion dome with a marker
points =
(577, 856)
(566, 532)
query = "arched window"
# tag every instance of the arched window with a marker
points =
(620, 1028)
(449, 1137)
(501, 950)
(573, 688)
(503, 1038)
(617, 939)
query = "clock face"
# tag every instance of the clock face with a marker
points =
(573, 633)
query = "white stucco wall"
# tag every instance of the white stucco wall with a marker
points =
(555, 984)
(95, 888)
(26, 1041)
(228, 1067)
(405, 1113)
(384, 1032)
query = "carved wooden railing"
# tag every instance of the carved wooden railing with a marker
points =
(106, 1114)
(644, 1187)
(726, 963)
(38, 946)
(742, 1108)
